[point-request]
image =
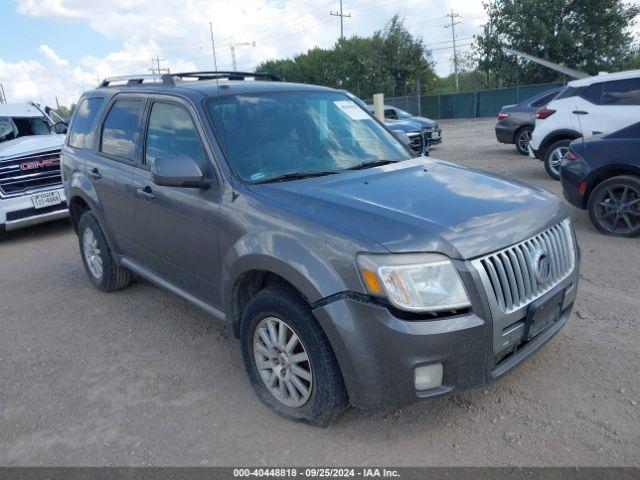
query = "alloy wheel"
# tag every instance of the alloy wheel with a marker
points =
(617, 209)
(92, 253)
(555, 159)
(282, 362)
(523, 140)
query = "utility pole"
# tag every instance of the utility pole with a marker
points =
(3, 97)
(233, 52)
(342, 16)
(213, 47)
(156, 68)
(452, 26)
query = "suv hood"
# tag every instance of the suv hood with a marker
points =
(403, 125)
(425, 122)
(30, 144)
(422, 205)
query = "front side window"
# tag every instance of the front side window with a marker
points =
(81, 132)
(268, 135)
(622, 92)
(120, 129)
(172, 133)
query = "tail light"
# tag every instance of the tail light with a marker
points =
(502, 116)
(571, 155)
(544, 113)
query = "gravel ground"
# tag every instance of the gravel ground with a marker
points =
(141, 378)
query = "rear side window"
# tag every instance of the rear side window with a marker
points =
(120, 129)
(593, 93)
(172, 133)
(81, 134)
(569, 92)
(622, 92)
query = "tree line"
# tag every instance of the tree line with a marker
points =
(586, 35)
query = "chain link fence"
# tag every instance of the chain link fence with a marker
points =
(481, 103)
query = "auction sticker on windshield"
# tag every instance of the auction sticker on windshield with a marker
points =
(46, 200)
(352, 110)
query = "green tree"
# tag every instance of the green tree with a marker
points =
(587, 35)
(392, 61)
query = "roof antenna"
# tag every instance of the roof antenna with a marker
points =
(213, 50)
(578, 114)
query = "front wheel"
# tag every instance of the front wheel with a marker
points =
(553, 158)
(614, 206)
(289, 359)
(523, 137)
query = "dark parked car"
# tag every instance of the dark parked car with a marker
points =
(602, 174)
(432, 132)
(516, 122)
(350, 270)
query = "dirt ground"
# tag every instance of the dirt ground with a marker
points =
(141, 378)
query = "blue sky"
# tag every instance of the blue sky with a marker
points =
(58, 48)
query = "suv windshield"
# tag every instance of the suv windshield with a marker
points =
(14, 127)
(268, 136)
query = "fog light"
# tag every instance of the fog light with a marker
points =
(428, 377)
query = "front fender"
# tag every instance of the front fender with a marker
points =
(282, 255)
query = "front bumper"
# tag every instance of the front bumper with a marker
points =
(19, 212)
(533, 153)
(433, 136)
(378, 352)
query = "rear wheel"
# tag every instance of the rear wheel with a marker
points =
(523, 137)
(289, 360)
(553, 158)
(614, 206)
(99, 263)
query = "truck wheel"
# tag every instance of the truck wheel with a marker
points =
(98, 260)
(614, 206)
(553, 157)
(523, 137)
(289, 360)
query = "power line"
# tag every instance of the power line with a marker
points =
(452, 26)
(342, 16)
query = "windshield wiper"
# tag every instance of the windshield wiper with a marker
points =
(295, 176)
(374, 163)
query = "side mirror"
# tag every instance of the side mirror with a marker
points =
(179, 171)
(60, 128)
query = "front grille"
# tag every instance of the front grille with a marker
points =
(416, 142)
(29, 172)
(512, 275)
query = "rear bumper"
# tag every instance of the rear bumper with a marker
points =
(504, 134)
(378, 352)
(19, 212)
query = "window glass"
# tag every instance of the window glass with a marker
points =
(267, 135)
(391, 114)
(622, 92)
(120, 129)
(172, 133)
(593, 93)
(541, 102)
(80, 134)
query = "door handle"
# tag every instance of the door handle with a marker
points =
(95, 173)
(580, 112)
(146, 193)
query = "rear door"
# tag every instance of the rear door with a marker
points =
(110, 166)
(176, 229)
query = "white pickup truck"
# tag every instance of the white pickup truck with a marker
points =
(30, 185)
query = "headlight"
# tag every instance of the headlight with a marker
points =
(414, 282)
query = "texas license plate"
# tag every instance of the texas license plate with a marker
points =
(46, 200)
(543, 313)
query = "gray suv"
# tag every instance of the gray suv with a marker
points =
(351, 271)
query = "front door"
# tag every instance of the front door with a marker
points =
(176, 229)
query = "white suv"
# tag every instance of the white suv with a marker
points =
(30, 185)
(590, 106)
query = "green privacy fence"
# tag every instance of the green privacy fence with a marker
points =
(481, 103)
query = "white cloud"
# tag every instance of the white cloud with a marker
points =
(178, 31)
(48, 52)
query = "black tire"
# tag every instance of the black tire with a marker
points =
(608, 214)
(549, 160)
(521, 145)
(114, 277)
(328, 396)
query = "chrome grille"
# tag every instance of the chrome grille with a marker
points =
(416, 142)
(29, 172)
(515, 275)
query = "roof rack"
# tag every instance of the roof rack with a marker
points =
(169, 79)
